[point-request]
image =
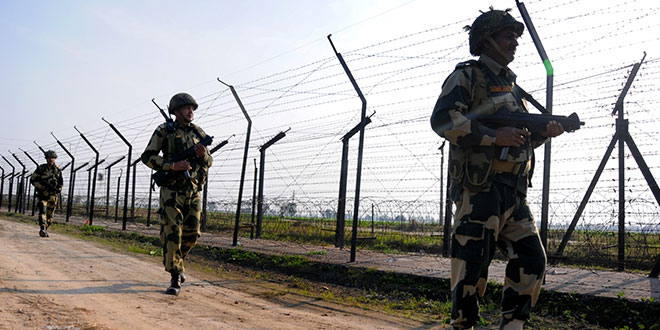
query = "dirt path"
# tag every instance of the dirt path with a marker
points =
(67, 283)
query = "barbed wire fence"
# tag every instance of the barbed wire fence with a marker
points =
(401, 180)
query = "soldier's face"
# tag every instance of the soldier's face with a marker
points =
(507, 42)
(50, 161)
(186, 114)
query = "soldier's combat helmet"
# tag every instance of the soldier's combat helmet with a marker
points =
(50, 154)
(181, 99)
(488, 23)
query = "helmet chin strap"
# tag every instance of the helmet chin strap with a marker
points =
(181, 119)
(497, 48)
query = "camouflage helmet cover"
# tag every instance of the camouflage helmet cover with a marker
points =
(488, 23)
(181, 99)
(50, 154)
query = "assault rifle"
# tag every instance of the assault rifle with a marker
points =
(50, 187)
(535, 123)
(162, 177)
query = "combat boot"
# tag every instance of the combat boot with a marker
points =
(175, 285)
(182, 277)
(511, 324)
(42, 231)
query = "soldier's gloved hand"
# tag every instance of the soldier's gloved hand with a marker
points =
(181, 165)
(510, 136)
(553, 129)
(200, 150)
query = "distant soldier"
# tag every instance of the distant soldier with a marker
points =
(490, 173)
(47, 182)
(180, 204)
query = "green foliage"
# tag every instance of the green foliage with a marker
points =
(90, 230)
(144, 249)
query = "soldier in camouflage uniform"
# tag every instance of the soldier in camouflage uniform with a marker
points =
(47, 182)
(180, 204)
(490, 173)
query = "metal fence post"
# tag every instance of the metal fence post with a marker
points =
(91, 182)
(245, 153)
(10, 183)
(254, 199)
(69, 201)
(343, 178)
(128, 171)
(134, 165)
(107, 195)
(117, 196)
(34, 198)
(2, 186)
(262, 165)
(20, 191)
(59, 200)
(73, 185)
(621, 135)
(545, 198)
(206, 185)
(96, 163)
(358, 175)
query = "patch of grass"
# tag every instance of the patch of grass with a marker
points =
(90, 230)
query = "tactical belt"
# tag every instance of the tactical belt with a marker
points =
(511, 167)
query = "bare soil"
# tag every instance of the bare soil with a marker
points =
(66, 283)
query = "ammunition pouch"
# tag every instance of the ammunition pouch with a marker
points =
(165, 178)
(511, 167)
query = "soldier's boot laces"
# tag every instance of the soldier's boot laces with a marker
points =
(175, 285)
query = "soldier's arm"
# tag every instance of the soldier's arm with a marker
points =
(35, 179)
(60, 181)
(151, 155)
(206, 160)
(448, 119)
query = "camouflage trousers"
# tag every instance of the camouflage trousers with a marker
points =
(46, 209)
(497, 218)
(180, 213)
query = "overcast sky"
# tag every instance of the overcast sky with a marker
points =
(67, 63)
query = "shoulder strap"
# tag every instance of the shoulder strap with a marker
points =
(196, 131)
(531, 99)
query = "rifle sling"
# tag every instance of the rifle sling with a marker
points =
(531, 99)
(481, 70)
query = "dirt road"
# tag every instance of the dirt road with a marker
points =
(66, 283)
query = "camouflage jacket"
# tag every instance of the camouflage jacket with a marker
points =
(174, 143)
(47, 180)
(482, 87)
